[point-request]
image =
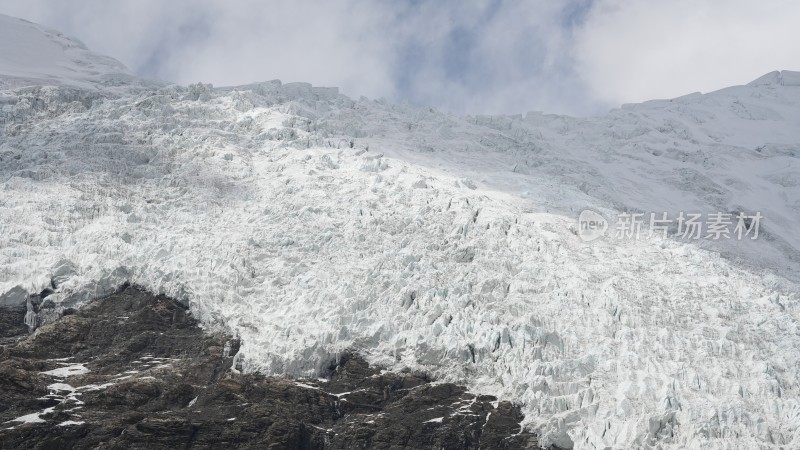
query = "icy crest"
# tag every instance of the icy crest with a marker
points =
(309, 223)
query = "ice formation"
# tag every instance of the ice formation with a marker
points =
(309, 223)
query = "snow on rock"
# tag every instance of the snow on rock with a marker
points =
(308, 223)
(67, 371)
(33, 417)
(67, 423)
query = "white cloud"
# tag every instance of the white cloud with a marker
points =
(488, 57)
(476, 56)
(399, 50)
(635, 50)
(324, 43)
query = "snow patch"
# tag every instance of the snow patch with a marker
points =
(67, 371)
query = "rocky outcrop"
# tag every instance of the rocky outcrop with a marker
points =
(135, 371)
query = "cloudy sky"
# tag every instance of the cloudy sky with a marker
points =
(579, 57)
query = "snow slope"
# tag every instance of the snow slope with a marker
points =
(310, 223)
(34, 55)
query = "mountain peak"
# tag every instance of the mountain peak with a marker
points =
(32, 54)
(782, 78)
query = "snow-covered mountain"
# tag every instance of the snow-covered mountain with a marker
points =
(308, 223)
(36, 55)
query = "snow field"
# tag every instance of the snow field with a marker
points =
(307, 245)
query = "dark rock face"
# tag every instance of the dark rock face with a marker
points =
(136, 371)
(12, 322)
(13, 306)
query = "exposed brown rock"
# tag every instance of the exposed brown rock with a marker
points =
(156, 380)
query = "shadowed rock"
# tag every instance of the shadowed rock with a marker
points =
(136, 371)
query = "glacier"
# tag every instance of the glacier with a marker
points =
(309, 223)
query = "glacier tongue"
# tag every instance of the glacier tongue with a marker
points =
(309, 223)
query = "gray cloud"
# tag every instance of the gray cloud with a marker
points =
(476, 56)
(634, 50)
